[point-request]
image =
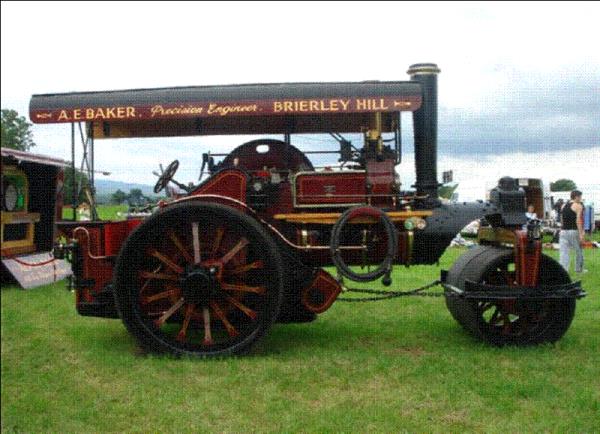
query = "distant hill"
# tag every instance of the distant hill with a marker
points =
(105, 187)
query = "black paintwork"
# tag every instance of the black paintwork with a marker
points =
(236, 92)
(442, 226)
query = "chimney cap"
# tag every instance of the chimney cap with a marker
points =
(423, 68)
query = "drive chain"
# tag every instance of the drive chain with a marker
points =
(386, 295)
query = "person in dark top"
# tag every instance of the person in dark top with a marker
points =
(558, 208)
(572, 235)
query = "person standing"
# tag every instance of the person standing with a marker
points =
(572, 235)
(558, 209)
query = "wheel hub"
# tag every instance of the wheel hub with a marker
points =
(199, 286)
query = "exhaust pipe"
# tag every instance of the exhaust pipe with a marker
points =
(425, 131)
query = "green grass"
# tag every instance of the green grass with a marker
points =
(388, 366)
(105, 212)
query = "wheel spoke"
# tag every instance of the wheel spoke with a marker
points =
(160, 321)
(243, 288)
(506, 324)
(217, 242)
(229, 255)
(147, 282)
(494, 318)
(189, 311)
(249, 312)
(158, 276)
(196, 242)
(162, 258)
(219, 313)
(177, 242)
(486, 307)
(244, 268)
(508, 277)
(165, 294)
(207, 333)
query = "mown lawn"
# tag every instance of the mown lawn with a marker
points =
(105, 212)
(396, 365)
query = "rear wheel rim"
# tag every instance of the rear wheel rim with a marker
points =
(200, 285)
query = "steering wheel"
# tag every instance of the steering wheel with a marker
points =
(166, 176)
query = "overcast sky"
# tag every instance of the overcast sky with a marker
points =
(519, 91)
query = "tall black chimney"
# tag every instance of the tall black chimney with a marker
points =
(425, 130)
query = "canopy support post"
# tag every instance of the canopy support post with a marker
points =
(74, 191)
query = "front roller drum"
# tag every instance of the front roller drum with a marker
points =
(517, 321)
(198, 279)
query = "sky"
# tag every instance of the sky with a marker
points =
(519, 91)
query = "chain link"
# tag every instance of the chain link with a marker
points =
(386, 295)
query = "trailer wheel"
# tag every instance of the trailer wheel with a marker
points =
(198, 279)
(508, 322)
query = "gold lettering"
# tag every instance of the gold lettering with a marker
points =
(121, 112)
(63, 115)
(76, 114)
(277, 106)
(89, 113)
(333, 105)
(287, 106)
(382, 105)
(110, 112)
(130, 112)
(314, 105)
(345, 103)
(361, 104)
(156, 110)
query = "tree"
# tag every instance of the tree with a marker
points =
(118, 197)
(80, 180)
(15, 131)
(563, 185)
(136, 197)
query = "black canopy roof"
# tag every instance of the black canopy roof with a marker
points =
(231, 109)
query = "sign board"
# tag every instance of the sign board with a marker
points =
(29, 273)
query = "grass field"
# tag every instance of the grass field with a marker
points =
(388, 366)
(105, 212)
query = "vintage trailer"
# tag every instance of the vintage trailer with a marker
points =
(32, 199)
(208, 273)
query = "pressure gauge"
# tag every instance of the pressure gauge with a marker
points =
(10, 197)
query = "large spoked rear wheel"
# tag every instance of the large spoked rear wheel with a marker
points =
(508, 322)
(198, 279)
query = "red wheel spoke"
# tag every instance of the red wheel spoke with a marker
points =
(177, 242)
(161, 295)
(236, 249)
(219, 313)
(159, 276)
(508, 277)
(249, 312)
(243, 288)
(147, 282)
(196, 243)
(162, 258)
(160, 321)
(507, 324)
(207, 333)
(243, 268)
(189, 310)
(218, 240)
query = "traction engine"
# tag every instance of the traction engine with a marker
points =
(211, 270)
